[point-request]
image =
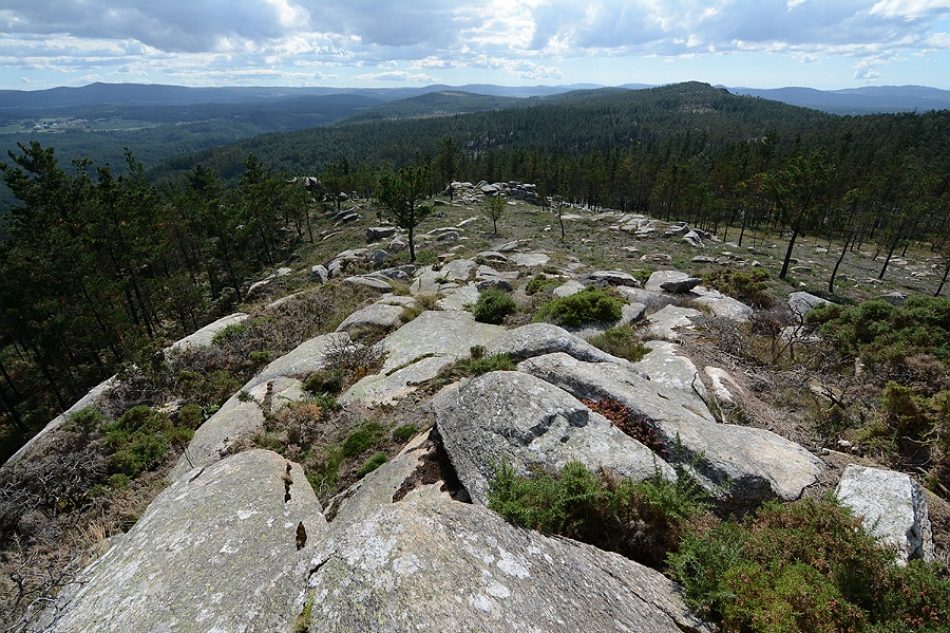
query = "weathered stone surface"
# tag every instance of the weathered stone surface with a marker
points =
(802, 303)
(660, 277)
(457, 270)
(538, 339)
(376, 233)
(404, 301)
(204, 336)
(458, 298)
(893, 508)
(895, 298)
(220, 551)
(319, 273)
(516, 419)
(273, 305)
(529, 260)
(239, 418)
(723, 306)
(378, 283)
(568, 288)
(493, 257)
(495, 283)
(305, 358)
(664, 365)
(724, 387)
(258, 289)
(666, 323)
(754, 464)
(431, 565)
(631, 313)
(646, 297)
(417, 351)
(382, 316)
(507, 247)
(614, 278)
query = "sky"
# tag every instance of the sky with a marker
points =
(386, 43)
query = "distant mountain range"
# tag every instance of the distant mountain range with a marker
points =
(865, 100)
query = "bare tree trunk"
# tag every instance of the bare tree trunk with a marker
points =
(834, 273)
(946, 271)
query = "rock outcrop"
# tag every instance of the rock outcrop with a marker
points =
(429, 564)
(515, 419)
(223, 550)
(892, 507)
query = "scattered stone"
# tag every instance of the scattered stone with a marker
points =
(529, 260)
(703, 259)
(378, 283)
(802, 303)
(508, 247)
(459, 298)
(895, 298)
(893, 508)
(258, 289)
(614, 278)
(568, 288)
(516, 419)
(496, 283)
(319, 273)
(378, 316)
(457, 270)
(657, 258)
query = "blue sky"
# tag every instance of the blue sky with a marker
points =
(372, 43)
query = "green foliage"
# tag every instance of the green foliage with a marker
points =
(325, 381)
(362, 439)
(642, 520)
(191, 416)
(806, 566)
(588, 306)
(404, 433)
(230, 333)
(621, 341)
(493, 306)
(372, 464)
(494, 208)
(540, 283)
(426, 258)
(207, 387)
(749, 286)
(883, 334)
(86, 421)
(140, 440)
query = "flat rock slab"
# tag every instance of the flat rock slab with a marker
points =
(431, 565)
(666, 366)
(660, 277)
(614, 278)
(380, 284)
(382, 316)
(529, 260)
(239, 418)
(568, 288)
(205, 336)
(666, 323)
(307, 357)
(737, 464)
(516, 419)
(457, 270)
(417, 351)
(892, 507)
(459, 298)
(538, 339)
(724, 306)
(224, 550)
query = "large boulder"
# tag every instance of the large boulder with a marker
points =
(568, 288)
(223, 550)
(459, 298)
(666, 324)
(516, 419)
(429, 564)
(740, 464)
(377, 233)
(674, 278)
(720, 305)
(892, 507)
(614, 278)
(801, 303)
(381, 316)
(664, 365)
(537, 339)
(528, 260)
(457, 270)
(417, 351)
(205, 336)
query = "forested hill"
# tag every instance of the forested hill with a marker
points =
(577, 121)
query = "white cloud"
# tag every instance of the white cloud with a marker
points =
(397, 75)
(910, 9)
(866, 74)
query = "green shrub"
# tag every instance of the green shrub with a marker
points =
(588, 306)
(362, 439)
(372, 464)
(85, 421)
(140, 440)
(426, 258)
(404, 433)
(259, 357)
(884, 334)
(493, 306)
(806, 566)
(749, 286)
(621, 341)
(642, 520)
(540, 283)
(325, 381)
(231, 332)
(207, 388)
(191, 416)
